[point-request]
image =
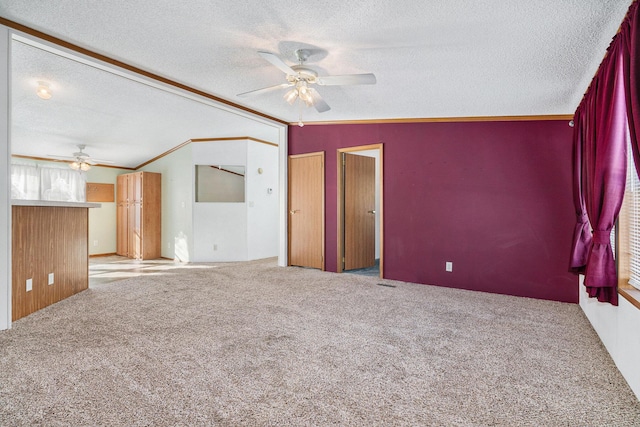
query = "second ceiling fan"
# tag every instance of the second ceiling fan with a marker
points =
(301, 78)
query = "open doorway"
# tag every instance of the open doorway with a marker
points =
(360, 210)
(96, 93)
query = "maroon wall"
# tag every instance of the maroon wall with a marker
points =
(492, 197)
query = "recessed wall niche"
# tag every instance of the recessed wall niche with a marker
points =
(220, 184)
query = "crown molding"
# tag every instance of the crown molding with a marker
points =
(46, 159)
(443, 120)
(199, 140)
(166, 153)
(233, 138)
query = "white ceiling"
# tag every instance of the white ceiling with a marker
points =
(454, 58)
(119, 119)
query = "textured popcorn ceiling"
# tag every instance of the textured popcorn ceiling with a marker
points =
(117, 118)
(452, 58)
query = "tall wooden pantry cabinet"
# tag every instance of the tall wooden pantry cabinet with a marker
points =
(138, 215)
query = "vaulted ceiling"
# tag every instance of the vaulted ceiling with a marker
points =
(432, 59)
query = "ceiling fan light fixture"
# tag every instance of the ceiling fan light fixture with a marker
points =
(43, 91)
(291, 95)
(304, 94)
(80, 165)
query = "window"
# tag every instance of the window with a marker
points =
(628, 247)
(25, 182)
(34, 182)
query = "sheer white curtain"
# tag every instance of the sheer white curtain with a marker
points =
(62, 184)
(35, 182)
(25, 182)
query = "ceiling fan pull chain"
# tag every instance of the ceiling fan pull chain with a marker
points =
(300, 113)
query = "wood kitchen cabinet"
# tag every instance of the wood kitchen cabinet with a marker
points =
(138, 215)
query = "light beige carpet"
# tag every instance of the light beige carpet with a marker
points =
(255, 344)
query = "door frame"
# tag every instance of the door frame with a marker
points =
(295, 156)
(340, 182)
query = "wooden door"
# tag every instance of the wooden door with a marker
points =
(122, 220)
(122, 240)
(359, 211)
(306, 210)
(151, 216)
(135, 230)
(134, 211)
(135, 187)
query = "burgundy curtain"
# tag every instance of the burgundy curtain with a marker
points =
(604, 162)
(582, 231)
(630, 36)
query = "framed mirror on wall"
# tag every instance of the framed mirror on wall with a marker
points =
(220, 184)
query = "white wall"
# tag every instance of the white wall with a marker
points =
(239, 231)
(617, 328)
(5, 185)
(262, 206)
(177, 200)
(220, 228)
(102, 220)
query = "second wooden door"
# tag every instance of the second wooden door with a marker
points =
(359, 211)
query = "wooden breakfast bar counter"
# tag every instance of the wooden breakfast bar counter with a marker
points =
(50, 253)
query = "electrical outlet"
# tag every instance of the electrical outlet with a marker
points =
(95, 243)
(215, 247)
(168, 245)
(29, 285)
(51, 278)
(448, 266)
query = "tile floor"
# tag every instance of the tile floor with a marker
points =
(113, 268)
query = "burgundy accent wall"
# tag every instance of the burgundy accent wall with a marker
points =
(494, 198)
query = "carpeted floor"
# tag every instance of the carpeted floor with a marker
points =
(256, 344)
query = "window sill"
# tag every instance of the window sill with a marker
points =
(631, 294)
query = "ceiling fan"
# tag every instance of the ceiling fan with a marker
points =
(301, 78)
(80, 160)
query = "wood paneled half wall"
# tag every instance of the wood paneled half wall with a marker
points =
(49, 244)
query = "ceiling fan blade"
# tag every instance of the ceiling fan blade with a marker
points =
(348, 79)
(263, 90)
(56, 157)
(320, 105)
(89, 160)
(275, 60)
